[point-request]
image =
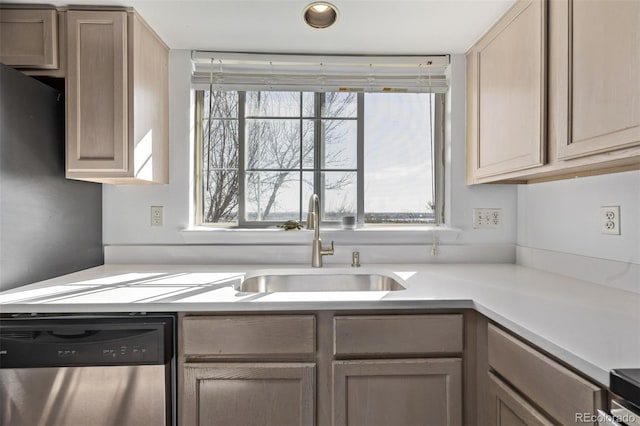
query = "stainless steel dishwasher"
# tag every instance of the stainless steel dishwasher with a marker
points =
(87, 370)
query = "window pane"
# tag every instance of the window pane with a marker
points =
(222, 104)
(220, 144)
(220, 196)
(273, 144)
(308, 104)
(220, 171)
(340, 144)
(272, 196)
(273, 104)
(340, 104)
(308, 141)
(307, 192)
(397, 157)
(340, 194)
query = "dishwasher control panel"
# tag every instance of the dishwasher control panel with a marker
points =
(79, 341)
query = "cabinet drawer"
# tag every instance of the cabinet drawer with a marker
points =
(560, 392)
(29, 38)
(397, 334)
(248, 335)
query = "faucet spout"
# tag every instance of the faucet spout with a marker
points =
(313, 222)
(314, 208)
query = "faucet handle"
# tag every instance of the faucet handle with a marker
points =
(328, 252)
(355, 259)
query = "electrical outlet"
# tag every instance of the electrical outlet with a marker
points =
(487, 218)
(610, 220)
(156, 215)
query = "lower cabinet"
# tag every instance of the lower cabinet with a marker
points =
(322, 368)
(246, 394)
(397, 392)
(527, 379)
(507, 408)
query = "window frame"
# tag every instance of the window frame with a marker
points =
(437, 170)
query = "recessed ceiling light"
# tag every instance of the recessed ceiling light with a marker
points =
(320, 15)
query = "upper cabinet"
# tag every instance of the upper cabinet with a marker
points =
(586, 118)
(506, 92)
(116, 100)
(602, 60)
(30, 39)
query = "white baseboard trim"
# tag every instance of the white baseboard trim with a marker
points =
(301, 254)
(611, 273)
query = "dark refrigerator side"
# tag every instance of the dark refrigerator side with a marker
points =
(49, 225)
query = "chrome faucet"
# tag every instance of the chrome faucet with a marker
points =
(313, 222)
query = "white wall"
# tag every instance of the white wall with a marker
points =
(126, 208)
(564, 216)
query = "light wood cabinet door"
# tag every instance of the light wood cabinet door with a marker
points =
(506, 94)
(97, 104)
(117, 99)
(397, 392)
(29, 38)
(507, 408)
(246, 394)
(601, 48)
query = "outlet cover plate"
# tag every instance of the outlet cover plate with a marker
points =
(487, 218)
(610, 220)
(156, 215)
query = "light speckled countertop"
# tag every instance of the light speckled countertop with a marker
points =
(589, 326)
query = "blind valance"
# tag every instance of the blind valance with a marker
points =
(320, 73)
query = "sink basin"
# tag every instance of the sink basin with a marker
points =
(329, 279)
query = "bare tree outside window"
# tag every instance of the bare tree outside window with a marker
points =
(280, 151)
(295, 144)
(220, 152)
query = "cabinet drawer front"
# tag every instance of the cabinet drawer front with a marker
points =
(248, 335)
(29, 38)
(560, 392)
(397, 334)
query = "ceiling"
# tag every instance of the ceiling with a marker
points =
(364, 26)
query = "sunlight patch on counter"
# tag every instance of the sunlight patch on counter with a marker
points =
(132, 278)
(28, 296)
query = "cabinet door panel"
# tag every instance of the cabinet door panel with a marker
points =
(97, 131)
(397, 392)
(228, 394)
(29, 38)
(507, 408)
(510, 78)
(604, 77)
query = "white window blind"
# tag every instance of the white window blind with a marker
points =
(320, 73)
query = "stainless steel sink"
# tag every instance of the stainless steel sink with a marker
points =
(329, 279)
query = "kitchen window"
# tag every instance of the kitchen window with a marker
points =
(263, 147)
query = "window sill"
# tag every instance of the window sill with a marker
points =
(376, 234)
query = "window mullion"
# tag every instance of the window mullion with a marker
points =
(318, 150)
(241, 159)
(301, 158)
(199, 159)
(360, 161)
